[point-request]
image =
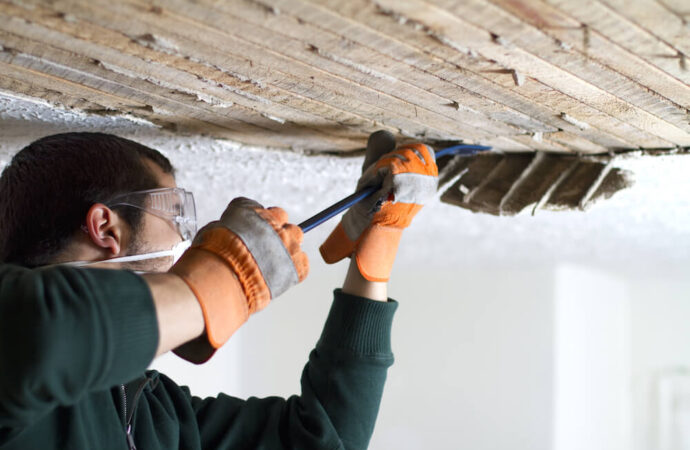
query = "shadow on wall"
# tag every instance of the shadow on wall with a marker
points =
(506, 184)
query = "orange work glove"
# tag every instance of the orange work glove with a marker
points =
(371, 229)
(235, 266)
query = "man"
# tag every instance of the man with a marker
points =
(75, 341)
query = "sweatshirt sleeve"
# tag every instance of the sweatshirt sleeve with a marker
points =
(342, 385)
(66, 332)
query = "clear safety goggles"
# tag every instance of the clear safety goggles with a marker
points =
(173, 204)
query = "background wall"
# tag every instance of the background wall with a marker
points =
(561, 331)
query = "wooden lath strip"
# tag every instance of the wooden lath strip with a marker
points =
(321, 90)
(358, 23)
(620, 81)
(186, 84)
(67, 72)
(237, 88)
(64, 93)
(374, 64)
(429, 50)
(457, 32)
(273, 49)
(294, 19)
(571, 36)
(658, 19)
(627, 34)
(16, 85)
(477, 29)
(321, 74)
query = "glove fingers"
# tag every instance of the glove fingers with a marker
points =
(279, 215)
(379, 143)
(301, 262)
(291, 235)
(424, 152)
(199, 235)
(244, 202)
(296, 234)
(239, 202)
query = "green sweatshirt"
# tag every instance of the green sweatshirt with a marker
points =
(75, 343)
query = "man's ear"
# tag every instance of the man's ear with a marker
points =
(106, 229)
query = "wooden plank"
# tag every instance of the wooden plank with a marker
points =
(571, 36)
(397, 98)
(196, 92)
(659, 18)
(292, 19)
(328, 88)
(431, 50)
(641, 97)
(237, 88)
(322, 74)
(377, 66)
(346, 17)
(457, 30)
(34, 84)
(525, 49)
(176, 113)
(11, 83)
(627, 34)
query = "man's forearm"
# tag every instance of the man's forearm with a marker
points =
(180, 319)
(356, 284)
(179, 315)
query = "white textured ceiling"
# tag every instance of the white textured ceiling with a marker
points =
(647, 226)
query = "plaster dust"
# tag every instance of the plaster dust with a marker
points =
(647, 225)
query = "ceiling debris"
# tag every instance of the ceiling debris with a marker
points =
(578, 77)
(506, 184)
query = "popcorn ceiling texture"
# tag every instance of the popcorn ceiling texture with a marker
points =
(646, 225)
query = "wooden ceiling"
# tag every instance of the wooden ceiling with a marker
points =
(579, 76)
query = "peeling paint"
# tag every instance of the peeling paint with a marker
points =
(573, 121)
(157, 43)
(274, 118)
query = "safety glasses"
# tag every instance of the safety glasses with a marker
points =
(173, 204)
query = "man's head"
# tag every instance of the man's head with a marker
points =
(53, 198)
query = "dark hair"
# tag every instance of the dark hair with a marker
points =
(49, 186)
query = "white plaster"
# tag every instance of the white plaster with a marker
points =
(645, 226)
(571, 120)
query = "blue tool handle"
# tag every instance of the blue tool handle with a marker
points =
(360, 195)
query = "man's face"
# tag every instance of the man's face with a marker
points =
(154, 233)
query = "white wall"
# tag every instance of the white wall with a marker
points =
(592, 360)
(473, 355)
(561, 358)
(660, 321)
